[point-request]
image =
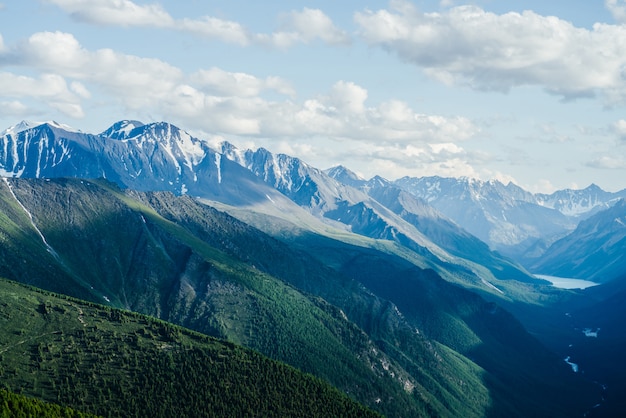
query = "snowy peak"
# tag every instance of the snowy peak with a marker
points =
(583, 202)
(121, 129)
(345, 176)
(27, 125)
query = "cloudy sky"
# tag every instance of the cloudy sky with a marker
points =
(532, 92)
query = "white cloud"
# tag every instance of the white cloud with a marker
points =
(51, 89)
(469, 46)
(116, 12)
(233, 104)
(617, 9)
(306, 26)
(138, 81)
(80, 90)
(297, 26)
(218, 81)
(608, 162)
(214, 28)
(14, 108)
(619, 128)
(347, 97)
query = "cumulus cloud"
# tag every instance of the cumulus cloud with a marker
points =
(14, 108)
(608, 162)
(619, 128)
(305, 26)
(617, 9)
(50, 88)
(139, 80)
(115, 12)
(234, 104)
(468, 46)
(214, 28)
(218, 81)
(297, 26)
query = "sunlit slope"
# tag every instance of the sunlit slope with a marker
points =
(114, 363)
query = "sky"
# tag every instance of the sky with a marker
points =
(532, 92)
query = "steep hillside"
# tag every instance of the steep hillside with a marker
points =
(115, 363)
(14, 405)
(347, 320)
(443, 231)
(595, 251)
(204, 270)
(380, 210)
(506, 217)
(156, 156)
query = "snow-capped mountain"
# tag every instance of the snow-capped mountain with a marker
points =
(429, 215)
(374, 208)
(156, 156)
(581, 203)
(346, 176)
(596, 250)
(440, 229)
(506, 217)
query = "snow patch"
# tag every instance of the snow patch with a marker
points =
(486, 283)
(32, 222)
(218, 164)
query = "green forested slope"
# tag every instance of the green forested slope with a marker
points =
(394, 337)
(110, 248)
(13, 405)
(114, 363)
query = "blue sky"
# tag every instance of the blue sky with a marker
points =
(532, 92)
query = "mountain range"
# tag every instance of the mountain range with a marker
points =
(403, 294)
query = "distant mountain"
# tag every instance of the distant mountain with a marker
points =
(511, 220)
(346, 176)
(580, 203)
(441, 230)
(378, 209)
(595, 250)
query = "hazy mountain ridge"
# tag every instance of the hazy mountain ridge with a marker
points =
(508, 218)
(178, 269)
(376, 209)
(186, 266)
(595, 250)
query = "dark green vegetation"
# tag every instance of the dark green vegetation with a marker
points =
(113, 363)
(17, 406)
(395, 337)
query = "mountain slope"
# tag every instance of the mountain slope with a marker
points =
(505, 217)
(372, 212)
(115, 363)
(581, 203)
(179, 261)
(595, 250)
(157, 156)
(442, 231)
(203, 269)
